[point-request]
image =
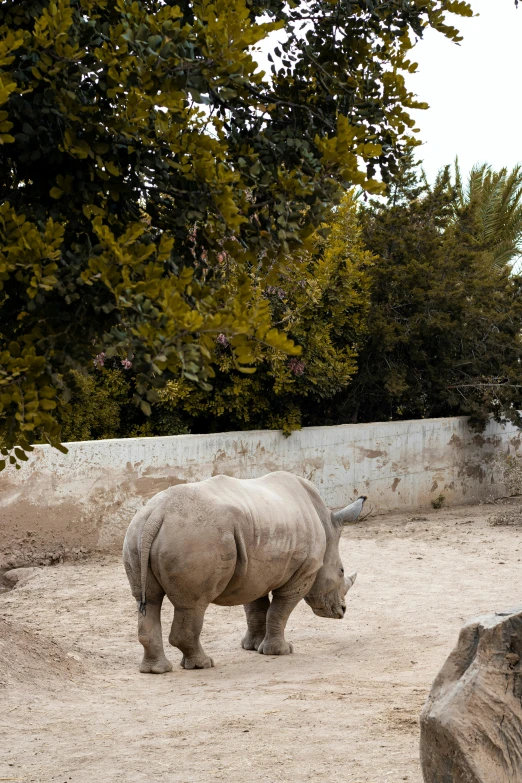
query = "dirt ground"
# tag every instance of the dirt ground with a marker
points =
(342, 709)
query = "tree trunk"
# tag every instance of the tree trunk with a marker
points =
(471, 725)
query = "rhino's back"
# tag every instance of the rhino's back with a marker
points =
(248, 535)
(279, 506)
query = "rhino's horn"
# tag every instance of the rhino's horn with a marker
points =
(350, 513)
(351, 579)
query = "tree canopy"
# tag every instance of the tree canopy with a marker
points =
(154, 182)
(445, 319)
(403, 308)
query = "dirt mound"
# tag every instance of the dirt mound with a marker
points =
(507, 518)
(28, 657)
(28, 552)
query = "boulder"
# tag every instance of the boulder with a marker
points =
(18, 576)
(471, 725)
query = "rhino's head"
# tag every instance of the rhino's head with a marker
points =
(327, 596)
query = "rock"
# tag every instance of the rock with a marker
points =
(471, 725)
(18, 576)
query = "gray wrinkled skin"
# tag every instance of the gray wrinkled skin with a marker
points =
(234, 541)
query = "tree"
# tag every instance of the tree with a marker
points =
(444, 326)
(147, 168)
(323, 308)
(495, 198)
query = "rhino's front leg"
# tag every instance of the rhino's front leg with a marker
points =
(256, 623)
(277, 616)
(185, 632)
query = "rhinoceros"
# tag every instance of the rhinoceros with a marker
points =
(231, 541)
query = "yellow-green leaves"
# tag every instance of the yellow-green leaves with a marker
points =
(28, 252)
(344, 150)
(5, 126)
(51, 29)
(459, 7)
(75, 146)
(10, 41)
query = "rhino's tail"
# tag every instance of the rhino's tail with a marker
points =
(148, 534)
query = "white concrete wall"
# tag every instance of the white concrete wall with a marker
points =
(87, 497)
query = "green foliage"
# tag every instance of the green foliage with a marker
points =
(427, 324)
(438, 502)
(323, 307)
(147, 168)
(444, 326)
(495, 198)
(101, 407)
(95, 406)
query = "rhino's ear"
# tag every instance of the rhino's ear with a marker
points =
(349, 514)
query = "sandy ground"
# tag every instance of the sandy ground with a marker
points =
(343, 709)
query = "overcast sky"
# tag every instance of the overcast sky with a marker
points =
(473, 90)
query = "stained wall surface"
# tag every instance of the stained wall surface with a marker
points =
(58, 503)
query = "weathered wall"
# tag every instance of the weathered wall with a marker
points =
(87, 497)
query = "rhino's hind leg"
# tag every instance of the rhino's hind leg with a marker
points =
(186, 628)
(149, 634)
(256, 623)
(277, 616)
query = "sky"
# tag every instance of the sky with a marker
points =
(473, 90)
